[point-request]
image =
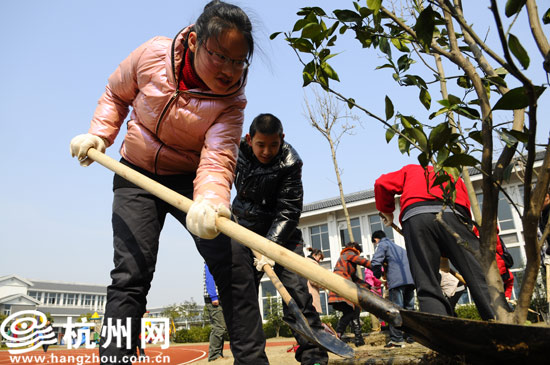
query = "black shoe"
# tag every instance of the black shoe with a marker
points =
(409, 340)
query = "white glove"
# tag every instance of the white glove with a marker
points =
(82, 143)
(387, 219)
(263, 261)
(201, 218)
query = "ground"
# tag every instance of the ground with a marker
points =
(373, 352)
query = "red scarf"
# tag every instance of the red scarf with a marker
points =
(188, 77)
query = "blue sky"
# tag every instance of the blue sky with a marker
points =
(56, 59)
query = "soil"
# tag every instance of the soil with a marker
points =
(373, 352)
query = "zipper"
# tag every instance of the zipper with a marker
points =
(164, 111)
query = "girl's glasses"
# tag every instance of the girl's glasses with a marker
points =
(220, 60)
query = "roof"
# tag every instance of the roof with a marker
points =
(332, 202)
(68, 287)
(13, 276)
(20, 296)
(76, 311)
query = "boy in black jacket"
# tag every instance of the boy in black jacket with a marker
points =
(268, 181)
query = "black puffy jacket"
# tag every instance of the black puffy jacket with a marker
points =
(270, 197)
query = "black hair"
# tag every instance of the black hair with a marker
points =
(219, 16)
(316, 251)
(266, 124)
(354, 245)
(378, 234)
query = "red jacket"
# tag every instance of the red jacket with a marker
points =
(410, 183)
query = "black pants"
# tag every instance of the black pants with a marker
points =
(308, 353)
(426, 241)
(138, 218)
(349, 313)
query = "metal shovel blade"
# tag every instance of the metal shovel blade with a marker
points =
(317, 336)
(479, 342)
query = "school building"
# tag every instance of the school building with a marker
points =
(60, 299)
(324, 227)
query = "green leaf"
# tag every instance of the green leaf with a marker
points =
(507, 174)
(400, 45)
(464, 82)
(404, 145)
(307, 77)
(424, 27)
(405, 121)
(520, 136)
(513, 7)
(389, 108)
(311, 30)
(374, 5)
(300, 24)
(423, 159)
(347, 16)
(507, 138)
(476, 136)
(351, 103)
(497, 80)
(460, 159)
(302, 45)
(516, 99)
(385, 46)
(329, 71)
(404, 62)
(467, 112)
(274, 35)
(518, 51)
(390, 132)
(439, 112)
(546, 17)
(425, 98)
(454, 100)
(439, 136)
(420, 138)
(441, 179)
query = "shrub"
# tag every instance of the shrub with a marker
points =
(270, 330)
(194, 334)
(467, 311)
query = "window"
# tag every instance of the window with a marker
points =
(88, 300)
(70, 299)
(35, 295)
(7, 309)
(319, 239)
(355, 229)
(375, 223)
(505, 217)
(269, 297)
(51, 298)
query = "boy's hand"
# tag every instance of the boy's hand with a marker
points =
(264, 260)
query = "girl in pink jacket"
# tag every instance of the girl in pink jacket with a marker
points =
(187, 100)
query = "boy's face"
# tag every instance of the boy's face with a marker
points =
(265, 146)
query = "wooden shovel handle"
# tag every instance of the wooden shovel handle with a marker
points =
(292, 261)
(275, 280)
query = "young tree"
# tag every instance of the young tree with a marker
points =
(462, 132)
(327, 116)
(274, 313)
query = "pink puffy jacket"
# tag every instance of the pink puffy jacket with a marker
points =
(172, 131)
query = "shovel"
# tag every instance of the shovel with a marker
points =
(475, 340)
(300, 324)
(306, 268)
